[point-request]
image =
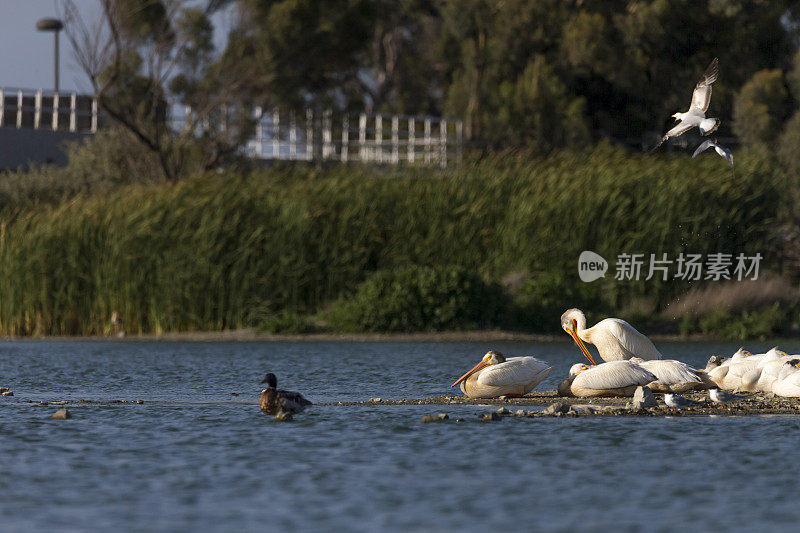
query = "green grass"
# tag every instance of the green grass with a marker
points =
(272, 246)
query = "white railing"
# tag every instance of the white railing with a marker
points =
(372, 138)
(38, 109)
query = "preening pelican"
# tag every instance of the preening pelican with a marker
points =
(497, 376)
(673, 376)
(696, 115)
(282, 403)
(615, 378)
(614, 338)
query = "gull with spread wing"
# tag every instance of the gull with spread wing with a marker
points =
(696, 115)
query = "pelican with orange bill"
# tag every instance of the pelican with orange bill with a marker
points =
(497, 376)
(615, 339)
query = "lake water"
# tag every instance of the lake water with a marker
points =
(195, 457)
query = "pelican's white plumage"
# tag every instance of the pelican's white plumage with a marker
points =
(717, 367)
(614, 378)
(615, 339)
(496, 376)
(788, 382)
(740, 355)
(696, 115)
(732, 381)
(673, 376)
(761, 378)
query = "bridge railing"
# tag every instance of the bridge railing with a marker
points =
(39, 109)
(371, 138)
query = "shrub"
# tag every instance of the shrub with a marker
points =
(760, 107)
(98, 164)
(760, 323)
(542, 298)
(288, 322)
(419, 299)
(787, 152)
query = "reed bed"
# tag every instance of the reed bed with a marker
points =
(229, 251)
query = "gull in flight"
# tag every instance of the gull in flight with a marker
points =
(696, 115)
(721, 150)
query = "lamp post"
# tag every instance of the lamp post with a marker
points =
(54, 25)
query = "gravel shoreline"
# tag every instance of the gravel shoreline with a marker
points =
(547, 402)
(754, 404)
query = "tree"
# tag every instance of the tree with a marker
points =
(305, 51)
(146, 52)
(761, 107)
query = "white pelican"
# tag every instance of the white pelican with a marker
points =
(714, 361)
(732, 381)
(761, 378)
(614, 338)
(673, 376)
(788, 383)
(497, 376)
(744, 369)
(740, 355)
(615, 378)
(281, 403)
(696, 115)
(718, 367)
(721, 150)
(720, 397)
(675, 401)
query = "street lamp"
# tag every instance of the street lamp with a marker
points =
(54, 25)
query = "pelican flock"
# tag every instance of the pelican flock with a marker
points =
(772, 372)
(631, 360)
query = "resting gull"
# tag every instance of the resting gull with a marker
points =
(696, 115)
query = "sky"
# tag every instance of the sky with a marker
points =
(27, 58)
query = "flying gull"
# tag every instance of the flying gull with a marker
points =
(696, 115)
(721, 150)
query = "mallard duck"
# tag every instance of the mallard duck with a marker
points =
(281, 403)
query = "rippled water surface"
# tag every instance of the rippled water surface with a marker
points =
(195, 456)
